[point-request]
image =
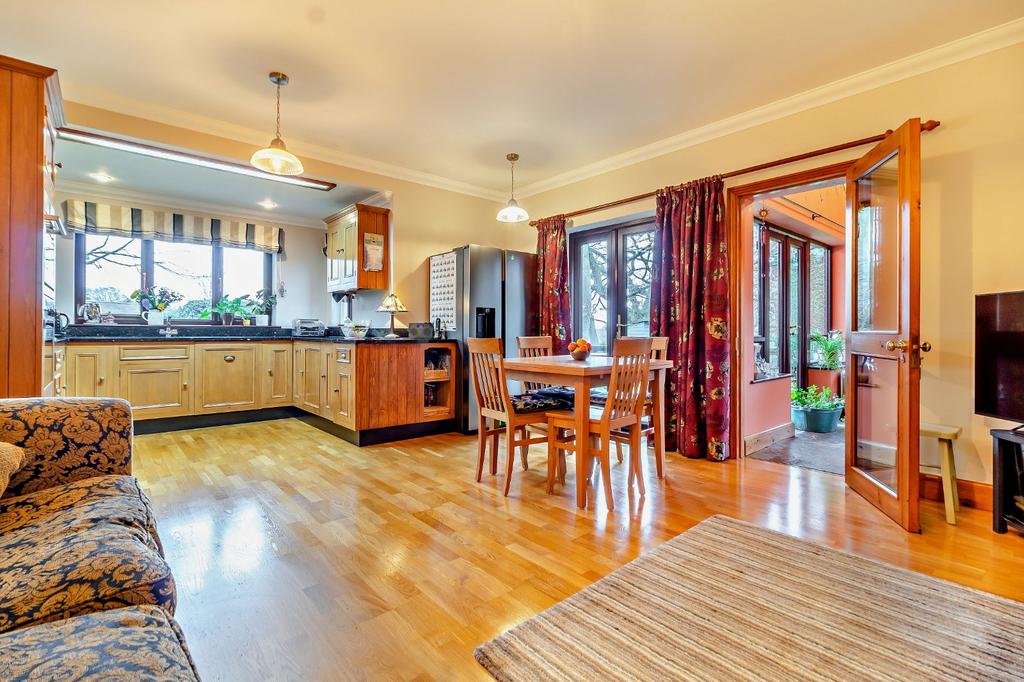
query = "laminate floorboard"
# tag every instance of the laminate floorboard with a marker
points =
(300, 556)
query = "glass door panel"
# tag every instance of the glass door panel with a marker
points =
(637, 261)
(593, 281)
(876, 432)
(878, 248)
(795, 311)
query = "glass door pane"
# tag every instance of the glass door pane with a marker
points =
(592, 289)
(795, 321)
(637, 261)
(878, 248)
(876, 384)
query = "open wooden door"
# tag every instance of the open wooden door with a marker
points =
(883, 352)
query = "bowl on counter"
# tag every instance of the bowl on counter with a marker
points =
(580, 354)
(355, 330)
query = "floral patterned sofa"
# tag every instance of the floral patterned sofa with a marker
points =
(77, 533)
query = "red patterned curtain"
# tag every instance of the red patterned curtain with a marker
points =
(553, 282)
(690, 305)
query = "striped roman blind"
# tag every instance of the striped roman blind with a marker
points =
(169, 225)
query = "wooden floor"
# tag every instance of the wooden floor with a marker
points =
(299, 556)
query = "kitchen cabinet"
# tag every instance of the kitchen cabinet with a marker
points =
(91, 371)
(276, 374)
(358, 248)
(343, 385)
(313, 378)
(226, 377)
(156, 379)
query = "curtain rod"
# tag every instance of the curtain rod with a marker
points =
(926, 126)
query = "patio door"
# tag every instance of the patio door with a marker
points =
(883, 356)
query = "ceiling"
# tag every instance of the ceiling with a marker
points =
(159, 181)
(445, 89)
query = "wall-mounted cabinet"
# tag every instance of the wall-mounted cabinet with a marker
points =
(358, 249)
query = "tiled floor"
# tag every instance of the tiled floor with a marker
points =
(820, 451)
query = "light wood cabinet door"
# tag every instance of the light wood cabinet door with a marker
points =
(60, 381)
(226, 378)
(298, 369)
(157, 388)
(276, 374)
(343, 386)
(350, 256)
(91, 371)
(335, 249)
(314, 375)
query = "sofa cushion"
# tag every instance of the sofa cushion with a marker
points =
(81, 504)
(92, 556)
(11, 457)
(138, 643)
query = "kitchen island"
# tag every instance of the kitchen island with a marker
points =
(366, 391)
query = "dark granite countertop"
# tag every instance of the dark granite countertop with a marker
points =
(127, 333)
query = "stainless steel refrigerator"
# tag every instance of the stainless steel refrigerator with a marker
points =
(482, 292)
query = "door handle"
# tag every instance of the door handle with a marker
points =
(926, 347)
(900, 345)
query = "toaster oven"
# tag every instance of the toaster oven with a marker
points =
(305, 327)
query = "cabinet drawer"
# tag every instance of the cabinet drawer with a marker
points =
(162, 351)
(344, 354)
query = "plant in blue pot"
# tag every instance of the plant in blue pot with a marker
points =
(816, 409)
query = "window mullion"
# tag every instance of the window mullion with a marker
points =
(217, 274)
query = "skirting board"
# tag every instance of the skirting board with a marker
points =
(972, 493)
(759, 441)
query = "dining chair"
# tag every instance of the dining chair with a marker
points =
(659, 351)
(534, 347)
(622, 412)
(493, 402)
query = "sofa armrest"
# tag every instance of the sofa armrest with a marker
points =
(66, 439)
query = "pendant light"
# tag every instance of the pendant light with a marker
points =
(513, 212)
(275, 158)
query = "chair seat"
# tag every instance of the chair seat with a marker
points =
(534, 402)
(599, 396)
(138, 643)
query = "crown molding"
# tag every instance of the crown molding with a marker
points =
(962, 49)
(86, 190)
(102, 99)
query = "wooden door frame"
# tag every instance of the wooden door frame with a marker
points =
(735, 198)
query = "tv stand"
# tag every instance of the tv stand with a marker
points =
(1008, 479)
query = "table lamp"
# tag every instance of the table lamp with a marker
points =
(392, 304)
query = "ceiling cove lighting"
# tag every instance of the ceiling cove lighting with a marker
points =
(268, 204)
(512, 211)
(275, 158)
(85, 137)
(102, 177)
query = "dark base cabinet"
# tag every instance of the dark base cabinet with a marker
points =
(1007, 480)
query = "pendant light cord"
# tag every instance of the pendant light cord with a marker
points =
(513, 165)
(279, 110)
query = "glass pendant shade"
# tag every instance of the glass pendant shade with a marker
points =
(513, 213)
(276, 159)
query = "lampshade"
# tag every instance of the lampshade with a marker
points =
(392, 304)
(513, 213)
(276, 159)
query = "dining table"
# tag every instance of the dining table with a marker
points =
(583, 376)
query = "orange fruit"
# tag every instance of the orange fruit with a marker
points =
(572, 346)
(580, 341)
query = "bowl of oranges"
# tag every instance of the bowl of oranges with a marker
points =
(579, 349)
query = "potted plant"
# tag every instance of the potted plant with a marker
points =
(229, 308)
(264, 303)
(154, 301)
(831, 352)
(816, 408)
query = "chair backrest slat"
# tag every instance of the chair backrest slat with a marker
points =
(627, 388)
(488, 374)
(534, 347)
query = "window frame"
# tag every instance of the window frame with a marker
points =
(769, 231)
(147, 252)
(616, 237)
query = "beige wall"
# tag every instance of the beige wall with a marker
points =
(426, 220)
(971, 224)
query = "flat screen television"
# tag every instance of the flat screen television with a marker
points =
(999, 355)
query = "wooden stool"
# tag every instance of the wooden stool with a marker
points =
(947, 468)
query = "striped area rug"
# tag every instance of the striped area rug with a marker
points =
(728, 600)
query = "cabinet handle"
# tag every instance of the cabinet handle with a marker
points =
(100, 380)
(229, 358)
(335, 390)
(184, 385)
(270, 372)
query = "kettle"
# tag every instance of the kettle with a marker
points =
(60, 323)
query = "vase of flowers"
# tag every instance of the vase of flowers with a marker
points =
(154, 301)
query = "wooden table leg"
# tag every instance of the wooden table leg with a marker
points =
(582, 408)
(659, 421)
